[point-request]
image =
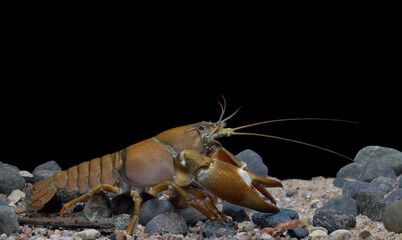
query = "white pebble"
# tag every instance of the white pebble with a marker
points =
(24, 173)
(88, 234)
(266, 236)
(341, 234)
(318, 234)
(15, 196)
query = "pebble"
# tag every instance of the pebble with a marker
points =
(218, 229)
(254, 162)
(8, 220)
(353, 188)
(45, 170)
(122, 203)
(393, 217)
(338, 213)
(298, 232)
(10, 180)
(271, 220)
(364, 234)
(393, 196)
(15, 196)
(390, 156)
(318, 234)
(384, 184)
(371, 203)
(97, 207)
(88, 234)
(237, 213)
(341, 234)
(191, 215)
(168, 222)
(152, 208)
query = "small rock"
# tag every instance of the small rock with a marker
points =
(45, 170)
(353, 188)
(122, 203)
(298, 232)
(375, 168)
(291, 193)
(6, 165)
(98, 206)
(390, 156)
(400, 182)
(384, 184)
(15, 196)
(218, 229)
(371, 203)
(152, 208)
(340, 234)
(191, 215)
(236, 212)
(88, 234)
(341, 205)
(318, 234)
(168, 222)
(24, 173)
(8, 220)
(393, 196)
(351, 170)
(271, 220)
(393, 217)
(254, 162)
(339, 182)
(338, 213)
(364, 235)
(10, 180)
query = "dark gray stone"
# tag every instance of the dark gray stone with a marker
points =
(122, 203)
(298, 232)
(374, 169)
(332, 221)
(10, 180)
(152, 208)
(254, 162)
(400, 182)
(218, 229)
(390, 156)
(97, 207)
(6, 165)
(371, 203)
(393, 197)
(236, 212)
(264, 220)
(168, 222)
(353, 188)
(341, 205)
(393, 217)
(384, 184)
(50, 165)
(338, 213)
(8, 220)
(351, 170)
(339, 182)
(191, 215)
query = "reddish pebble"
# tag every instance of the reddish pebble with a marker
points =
(26, 230)
(121, 236)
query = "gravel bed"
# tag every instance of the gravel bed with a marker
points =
(303, 196)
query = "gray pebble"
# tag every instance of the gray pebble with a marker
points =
(191, 215)
(393, 217)
(152, 208)
(338, 213)
(8, 220)
(10, 180)
(374, 169)
(264, 220)
(169, 222)
(97, 207)
(384, 184)
(353, 188)
(371, 203)
(393, 197)
(237, 213)
(390, 156)
(254, 162)
(218, 229)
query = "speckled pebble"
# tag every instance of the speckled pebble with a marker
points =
(341, 234)
(318, 234)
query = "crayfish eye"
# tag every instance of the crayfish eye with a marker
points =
(202, 128)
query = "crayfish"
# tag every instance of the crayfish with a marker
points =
(171, 162)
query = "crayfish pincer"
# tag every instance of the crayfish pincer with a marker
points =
(169, 162)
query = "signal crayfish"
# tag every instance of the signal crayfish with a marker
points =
(171, 162)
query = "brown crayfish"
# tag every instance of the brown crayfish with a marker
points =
(170, 162)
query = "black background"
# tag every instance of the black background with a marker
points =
(75, 93)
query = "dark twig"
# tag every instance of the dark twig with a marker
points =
(64, 223)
